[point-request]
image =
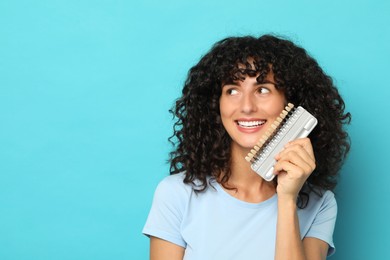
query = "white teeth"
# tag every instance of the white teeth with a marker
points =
(250, 123)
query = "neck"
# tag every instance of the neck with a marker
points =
(244, 183)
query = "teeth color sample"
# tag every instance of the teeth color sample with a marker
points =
(268, 134)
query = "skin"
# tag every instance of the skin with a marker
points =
(250, 101)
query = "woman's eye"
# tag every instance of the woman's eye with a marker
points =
(232, 91)
(263, 90)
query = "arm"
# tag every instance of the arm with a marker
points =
(165, 218)
(315, 249)
(294, 165)
(288, 241)
(163, 250)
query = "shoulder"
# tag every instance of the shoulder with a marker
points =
(319, 217)
(173, 183)
(172, 189)
(320, 212)
(168, 209)
(322, 199)
(322, 206)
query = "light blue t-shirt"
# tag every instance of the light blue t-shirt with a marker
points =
(215, 225)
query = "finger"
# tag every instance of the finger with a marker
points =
(295, 148)
(303, 142)
(289, 169)
(300, 151)
(300, 164)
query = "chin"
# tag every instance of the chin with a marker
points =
(246, 146)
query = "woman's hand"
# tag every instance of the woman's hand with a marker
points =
(293, 166)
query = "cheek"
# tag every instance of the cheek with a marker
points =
(224, 107)
(276, 107)
(226, 111)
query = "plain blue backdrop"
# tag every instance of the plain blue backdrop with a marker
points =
(85, 88)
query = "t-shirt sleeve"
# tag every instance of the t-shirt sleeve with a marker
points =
(324, 222)
(166, 214)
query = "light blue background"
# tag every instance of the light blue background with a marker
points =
(85, 87)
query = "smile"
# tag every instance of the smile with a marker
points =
(250, 124)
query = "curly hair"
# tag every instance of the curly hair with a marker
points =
(202, 145)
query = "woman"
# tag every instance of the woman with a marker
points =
(213, 205)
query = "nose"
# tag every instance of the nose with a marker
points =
(248, 104)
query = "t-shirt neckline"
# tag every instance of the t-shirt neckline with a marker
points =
(242, 203)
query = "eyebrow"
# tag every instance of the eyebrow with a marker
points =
(266, 82)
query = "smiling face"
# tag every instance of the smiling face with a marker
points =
(248, 108)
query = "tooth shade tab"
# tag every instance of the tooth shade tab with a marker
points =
(289, 107)
(283, 114)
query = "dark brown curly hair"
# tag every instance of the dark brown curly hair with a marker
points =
(201, 144)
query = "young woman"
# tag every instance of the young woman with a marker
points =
(213, 205)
